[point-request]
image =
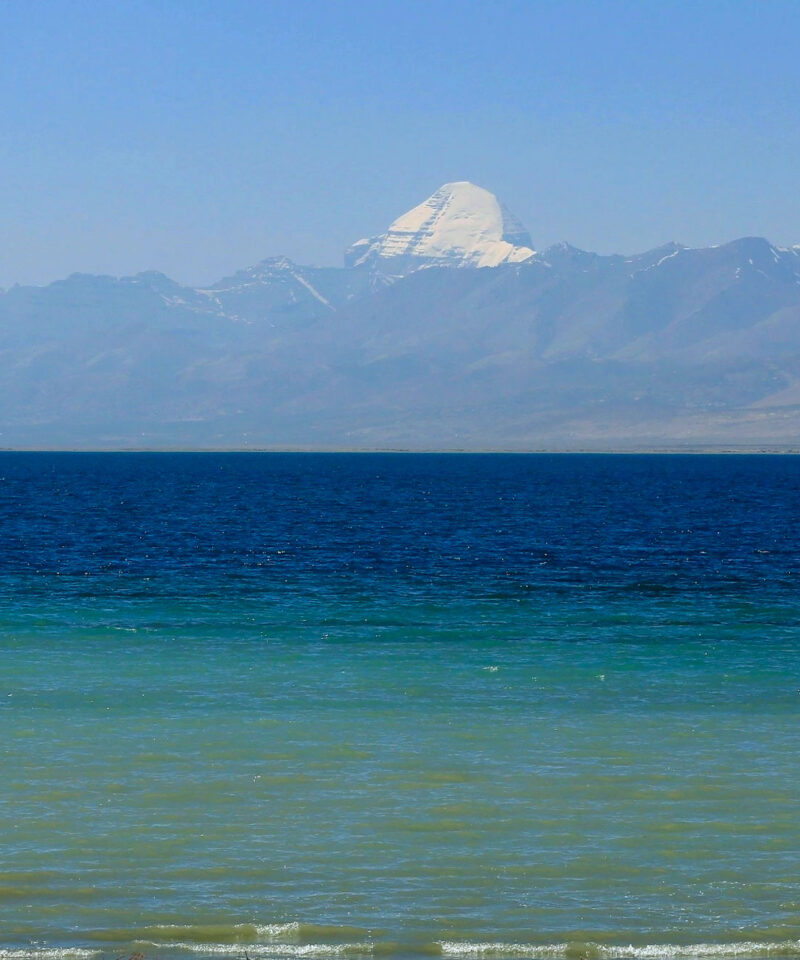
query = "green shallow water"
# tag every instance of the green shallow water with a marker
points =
(419, 790)
(399, 767)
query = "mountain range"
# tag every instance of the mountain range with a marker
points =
(449, 331)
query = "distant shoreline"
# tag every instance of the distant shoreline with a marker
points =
(428, 451)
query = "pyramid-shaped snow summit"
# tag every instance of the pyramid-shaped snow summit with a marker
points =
(461, 225)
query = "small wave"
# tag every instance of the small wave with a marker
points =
(279, 951)
(237, 934)
(596, 951)
(298, 931)
(278, 931)
(46, 953)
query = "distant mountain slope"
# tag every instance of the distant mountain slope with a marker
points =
(418, 348)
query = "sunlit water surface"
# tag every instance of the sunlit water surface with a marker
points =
(350, 705)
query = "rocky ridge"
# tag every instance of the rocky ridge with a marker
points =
(447, 331)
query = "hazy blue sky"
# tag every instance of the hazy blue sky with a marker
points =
(197, 137)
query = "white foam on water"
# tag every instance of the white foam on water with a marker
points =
(277, 950)
(275, 930)
(46, 953)
(597, 951)
(299, 930)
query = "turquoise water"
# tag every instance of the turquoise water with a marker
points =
(280, 706)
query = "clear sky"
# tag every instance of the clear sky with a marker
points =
(197, 137)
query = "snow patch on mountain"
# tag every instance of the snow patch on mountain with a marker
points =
(459, 225)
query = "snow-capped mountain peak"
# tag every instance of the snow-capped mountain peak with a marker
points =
(459, 225)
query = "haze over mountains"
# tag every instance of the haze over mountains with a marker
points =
(448, 331)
